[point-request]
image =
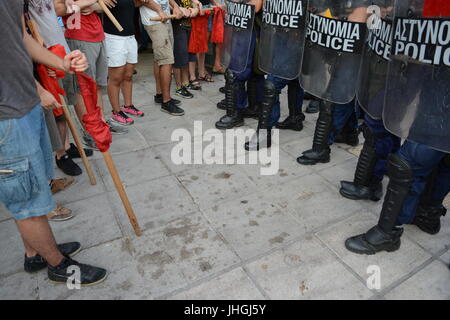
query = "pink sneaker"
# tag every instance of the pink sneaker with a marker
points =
(122, 118)
(132, 110)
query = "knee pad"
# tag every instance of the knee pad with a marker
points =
(399, 170)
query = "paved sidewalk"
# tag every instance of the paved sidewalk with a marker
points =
(224, 231)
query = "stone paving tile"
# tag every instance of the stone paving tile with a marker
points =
(253, 224)
(134, 168)
(342, 171)
(289, 170)
(123, 282)
(338, 155)
(160, 132)
(430, 283)
(19, 286)
(312, 202)
(182, 252)
(393, 266)
(12, 250)
(235, 283)
(95, 222)
(155, 203)
(81, 188)
(213, 184)
(306, 270)
(164, 152)
(446, 258)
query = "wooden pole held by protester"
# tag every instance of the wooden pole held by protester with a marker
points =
(76, 138)
(123, 195)
(110, 15)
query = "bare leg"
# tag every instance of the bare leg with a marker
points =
(218, 57)
(192, 74)
(156, 72)
(115, 78)
(127, 85)
(178, 78)
(165, 75)
(62, 128)
(185, 75)
(80, 108)
(37, 235)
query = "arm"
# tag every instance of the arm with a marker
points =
(74, 60)
(257, 3)
(155, 7)
(48, 101)
(61, 5)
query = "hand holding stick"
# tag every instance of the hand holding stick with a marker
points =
(110, 15)
(172, 16)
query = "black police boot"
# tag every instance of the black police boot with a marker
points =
(263, 136)
(429, 212)
(428, 218)
(385, 236)
(295, 119)
(348, 136)
(222, 104)
(364, 186)
(320, 151)
(233, 117)
(313, 106)
(252, 110)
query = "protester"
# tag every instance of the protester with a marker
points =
(122, 55)
(161, 34)
(25, 150)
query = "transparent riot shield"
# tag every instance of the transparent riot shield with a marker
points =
(373, 73)
(335, 37)
(239, 20)
(417, 102)
(282, 37)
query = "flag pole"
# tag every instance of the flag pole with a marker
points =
(76, 138)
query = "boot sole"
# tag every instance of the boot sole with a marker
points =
(82, 285)
(172, 114)
(235, 126)
(350, 197)
(314, 163)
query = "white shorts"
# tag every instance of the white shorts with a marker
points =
(121, 50)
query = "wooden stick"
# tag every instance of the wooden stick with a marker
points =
(76, 138)
(122, 193)
(110, 15)
(172, 16)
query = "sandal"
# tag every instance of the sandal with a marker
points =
(60, 214)
(221, 70)
(207, 78)
(194, 85)
(61, 184)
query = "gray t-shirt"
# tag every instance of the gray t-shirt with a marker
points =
(18, 93)
(43, 12)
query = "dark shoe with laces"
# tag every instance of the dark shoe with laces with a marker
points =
(222, 105)
(171, 108)
(222, 90)
(313, 107)
(74, 153)
(374, 241)
(159, 99)
(66, 164)
(184, 93)
(89, 275)
(37, 263)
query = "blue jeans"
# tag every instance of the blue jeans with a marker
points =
(25, 150)
(343, 114)
(385, 143)
(279, 84)
(423, 160)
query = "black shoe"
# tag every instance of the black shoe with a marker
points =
(312, 157)
(352, 191)
(89, 275)
(222, 90)
(291, 123)
(313, 107)
(184, 93)
(349, 137)
(375, 240)
(261, 139)
(171, 108)
(74, 153)
(222, 105)
(37, 263)
(66, 164)
(250, 113)
(159, 99)
(230, 121)
(428, 218)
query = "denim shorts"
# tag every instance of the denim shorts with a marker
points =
(25, 150)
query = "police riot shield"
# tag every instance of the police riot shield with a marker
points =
(417, 102)
(282, 37)
(335, 37)
(237, 38)
(373, 73)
